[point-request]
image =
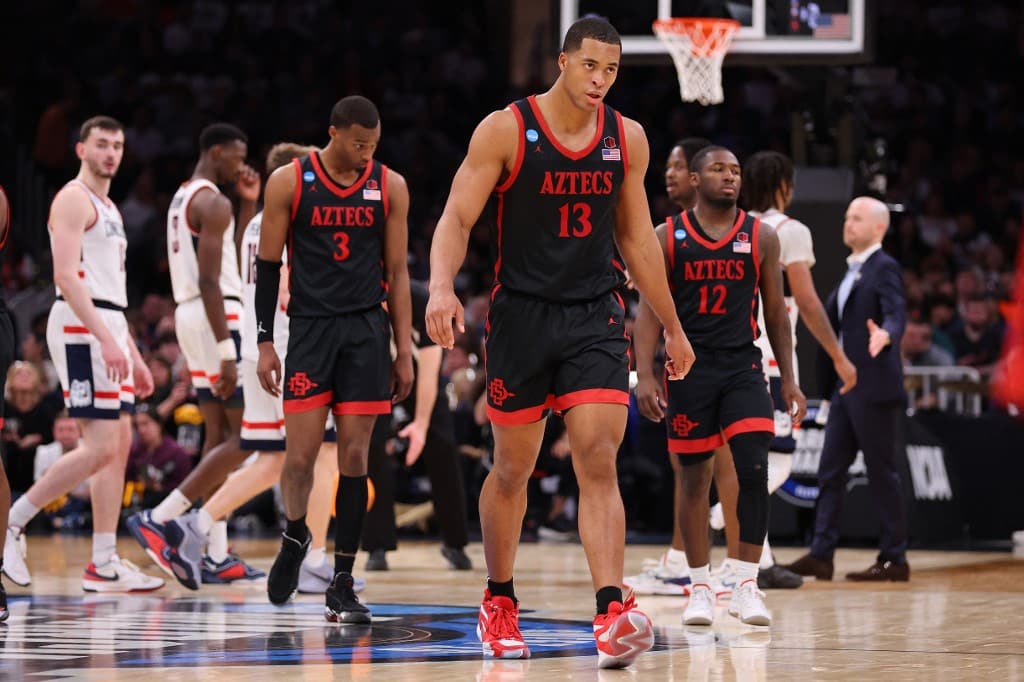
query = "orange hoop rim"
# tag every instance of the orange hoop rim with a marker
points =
(700, 30)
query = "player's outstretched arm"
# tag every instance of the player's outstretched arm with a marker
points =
(491, 150)
(276, 221)
(396, 271)
(645, 258)
(776, 320)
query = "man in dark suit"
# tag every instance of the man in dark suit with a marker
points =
(868, 312)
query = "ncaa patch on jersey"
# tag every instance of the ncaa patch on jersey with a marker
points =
(680, 233)
(741, 247)
(308, 176)
(532, 135)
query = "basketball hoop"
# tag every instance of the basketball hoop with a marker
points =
(698, 47)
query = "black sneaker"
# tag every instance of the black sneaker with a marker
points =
(4, 613)
(457, 558)
(378, 560)
(778, 578)
(283, 580)
(343, 605)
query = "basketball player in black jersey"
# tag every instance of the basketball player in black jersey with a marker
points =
(719, 258)
(344, 218)
(7, 343)
(566, 172)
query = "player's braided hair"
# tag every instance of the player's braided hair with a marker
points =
(764, 174)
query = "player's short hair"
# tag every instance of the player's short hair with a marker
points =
(697, 162)
(282, 153)
(764, 174)
(355, 110)
(101, 122)
(692, 145)
(219, 133)
(595, 28)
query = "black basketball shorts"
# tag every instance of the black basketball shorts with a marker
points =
(342, 361)
(725, 394)
(544, 355)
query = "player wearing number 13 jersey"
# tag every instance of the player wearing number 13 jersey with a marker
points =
(343, 216)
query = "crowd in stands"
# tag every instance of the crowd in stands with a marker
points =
(954, 129)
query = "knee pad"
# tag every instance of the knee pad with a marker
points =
(779, 466)
(750, 455)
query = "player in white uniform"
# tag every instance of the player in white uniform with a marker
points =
(99, 366)
(203, 258)
(767, 192)
(263, 432)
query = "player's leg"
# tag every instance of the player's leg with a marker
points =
(7, 345)
(317, 572)
(728, 488)
(379, 533)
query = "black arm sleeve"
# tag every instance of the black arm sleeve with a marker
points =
(268, 279)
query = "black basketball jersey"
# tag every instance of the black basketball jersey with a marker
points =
(336, 241)
(555, 220)
(715, 284)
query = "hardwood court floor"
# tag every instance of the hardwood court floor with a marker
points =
(960, 618)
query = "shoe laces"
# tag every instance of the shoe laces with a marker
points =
(503, 623)
(749, 590)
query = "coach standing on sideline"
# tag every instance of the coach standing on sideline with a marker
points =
(868, 312)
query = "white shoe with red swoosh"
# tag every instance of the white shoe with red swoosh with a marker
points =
(118, 575)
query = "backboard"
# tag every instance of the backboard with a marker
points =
(825, 30)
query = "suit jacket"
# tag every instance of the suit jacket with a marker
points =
(878, 295)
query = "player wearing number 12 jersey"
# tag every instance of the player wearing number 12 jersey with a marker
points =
(343, 216)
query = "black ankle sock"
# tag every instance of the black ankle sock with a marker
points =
(606, 595)
(502, 590)
(343, 563)
(297, 529)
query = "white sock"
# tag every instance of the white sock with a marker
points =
(104, 548)
(173, 506)
(700, 575)
(21, 513)
(676, 559)
(316, 557)
(744, 571)
(727, 566)
(204, 521)
(767, 560)
(217, 541)
(779, 466)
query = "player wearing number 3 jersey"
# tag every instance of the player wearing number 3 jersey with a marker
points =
(343, 216)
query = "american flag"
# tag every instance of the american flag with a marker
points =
(611, 154)
(833, 26)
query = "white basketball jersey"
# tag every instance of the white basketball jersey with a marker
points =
(250, 248)
(795, 245)
(183, 240)
(104, 246)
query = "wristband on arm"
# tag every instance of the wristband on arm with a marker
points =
(268, 279)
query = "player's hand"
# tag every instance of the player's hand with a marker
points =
(268, 369)
(248, 183)
(794, 397)
(401, 378)
(847, 373)
(416, 432)
(878, 340)
(442, 308)
(679, 355)
(115, 360)
(225, 385)
(650, 398)
(143, 380)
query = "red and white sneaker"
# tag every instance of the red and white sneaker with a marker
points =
(118, 575)
(622, 634)
(498, 628)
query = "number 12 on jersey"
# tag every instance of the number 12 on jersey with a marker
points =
(718, 292)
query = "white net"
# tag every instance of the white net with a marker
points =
(698, 48)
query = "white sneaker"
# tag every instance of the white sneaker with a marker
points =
(701, 609)
(118, 575)
(748, 605)
(15, 551)
(724, 580)
(716, 518)
(317, 580)
(659, 577)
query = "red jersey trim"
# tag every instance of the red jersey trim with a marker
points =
(7, 231)
(262, 426)
(755, 253)
(591, 396)
(749, 425)
(520, 151)
(384, 190)
(335, 188)
(622, 144)
(296, 405)
(297, 193)
(527, 415)
(76, 330)
(670, 245)
(740, 217)
(189, 203)
(575, 156)
(363, 407)
(696, 445)
(498, 222)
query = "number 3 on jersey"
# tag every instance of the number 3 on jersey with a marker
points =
(341, 249)
(718, 306)
(580, 216)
